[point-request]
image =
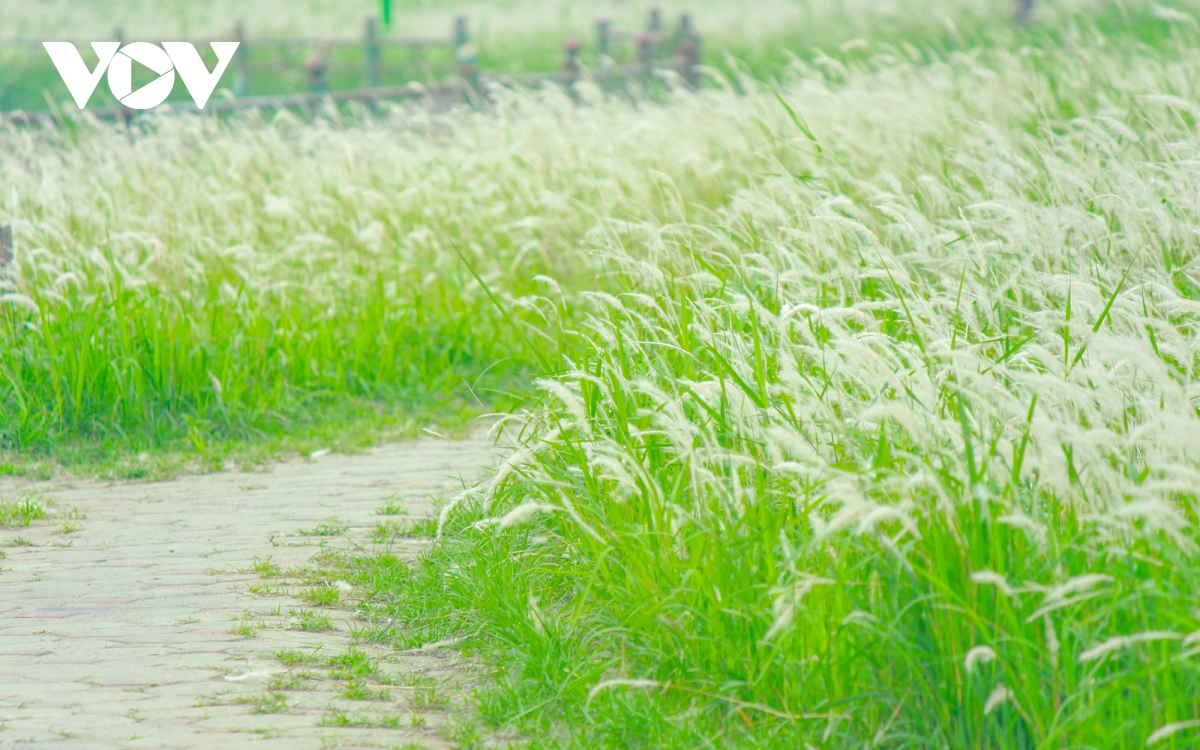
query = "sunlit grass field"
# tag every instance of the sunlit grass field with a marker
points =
(856, 406)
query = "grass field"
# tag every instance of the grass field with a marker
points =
(857, 408)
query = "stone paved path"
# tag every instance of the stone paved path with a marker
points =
(119, 633)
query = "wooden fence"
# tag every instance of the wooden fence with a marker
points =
(1023, 11)
(314, 57)
(621, 56)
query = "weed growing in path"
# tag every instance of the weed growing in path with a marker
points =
(321, 596)
(395, 506)
(266, 568)
(310, 620)
(323, 529)
(294, 658)
(269, 702)
(22, 512)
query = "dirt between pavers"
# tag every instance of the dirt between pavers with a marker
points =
(124, 624)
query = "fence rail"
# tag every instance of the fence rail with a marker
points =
(35, 45)
(256, 54)
(651, 51)
(457, 90)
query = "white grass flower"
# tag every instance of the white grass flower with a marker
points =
(1073, 591)
(1052, 643)
(1019, 520)
(570, 399)
(629, 682)
(22, 301)
(883, 514)
(787, 600)
(1077, 585)
(1167, 13)
(1174, 102)
(978, 655)
(987, 577)
(999, 696)
(1167, 730)
(535, 615)
(1119, 642)
(524, 512)
(859, 616)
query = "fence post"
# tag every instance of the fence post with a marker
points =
(371, 50)
(1024, 12)
(687, 50)
(645, 52)
(464, 54)
(604, 37)
(315, 66)
(468, 65)
(572, 68)
(460, 31)
(241, 73)
(648, 42)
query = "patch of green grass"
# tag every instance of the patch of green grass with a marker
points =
(342, 719)
(427, 695)
(352, 664)
(244, 629)
(321, 596)
(421, 528)
(290, 682)
(359, 690)
(323, 529)
(387, 531)
(265, 589)
(297, 658)
(310, 620)
(395, 506)
(22, 512)
(266, 568)
(269, 702)
(38, 470)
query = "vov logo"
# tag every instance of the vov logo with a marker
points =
(118, 61)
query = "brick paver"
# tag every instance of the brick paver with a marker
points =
(118, 634)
